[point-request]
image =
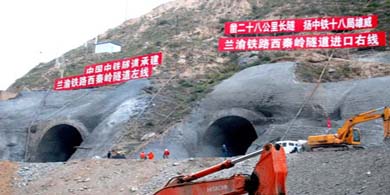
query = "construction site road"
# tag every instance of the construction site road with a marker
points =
(344, 172)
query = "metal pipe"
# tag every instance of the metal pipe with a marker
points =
(371, 111)
(246, 157)
(224, 165)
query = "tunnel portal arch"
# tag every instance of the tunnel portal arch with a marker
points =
(236, 132)
(58, 143)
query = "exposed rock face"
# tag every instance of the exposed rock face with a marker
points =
(253, 106)
(5, 95)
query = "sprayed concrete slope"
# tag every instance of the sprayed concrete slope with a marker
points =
(254, 106)
(94, 118)
(259, 103)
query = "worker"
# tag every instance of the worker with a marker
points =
(109, 154)
(142, 155)
(166, 153)
(225, 151)
(150, 155)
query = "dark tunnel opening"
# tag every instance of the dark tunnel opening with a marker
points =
(235, 132)
(58, 144)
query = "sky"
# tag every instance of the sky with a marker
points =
(42, 30)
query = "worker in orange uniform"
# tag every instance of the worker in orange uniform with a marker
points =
(142, 155)
(166, 153)
(150, 155)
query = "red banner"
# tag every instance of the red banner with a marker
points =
(111, 72)
(153, 59)
(303, 42)
(302, 25)
(104, 78)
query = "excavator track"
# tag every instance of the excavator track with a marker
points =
(386, 141)
(335, 148)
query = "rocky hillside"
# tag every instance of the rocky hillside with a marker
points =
(187, 32)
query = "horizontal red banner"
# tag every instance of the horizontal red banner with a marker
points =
(103, 78)
(152, 59)
(303, 42)
(301, 25)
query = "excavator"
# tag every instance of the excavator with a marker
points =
(347, 136)
(268, 177)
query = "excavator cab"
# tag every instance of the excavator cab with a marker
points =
(356, 136)
(353, 137)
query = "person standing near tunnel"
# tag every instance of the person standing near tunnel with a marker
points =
(166, 153)
(109, 154)
(225, 151)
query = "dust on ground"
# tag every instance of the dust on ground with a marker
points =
(342, 172)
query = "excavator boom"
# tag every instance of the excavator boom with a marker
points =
(232, 185)
(268, 177)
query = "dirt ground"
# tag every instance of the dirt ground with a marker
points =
(343, 172)
(7, 174)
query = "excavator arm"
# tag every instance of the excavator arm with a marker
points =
(347, 134)
(232, 185)
(268, 177)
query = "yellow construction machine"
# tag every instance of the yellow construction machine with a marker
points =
(347, 135)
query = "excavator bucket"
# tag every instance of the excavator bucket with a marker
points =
(271, 171)
(386, 125)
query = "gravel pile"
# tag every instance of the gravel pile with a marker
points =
(348, 172)
(29, 172)
(343, 172)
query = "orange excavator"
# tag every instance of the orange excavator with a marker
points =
(347, 135)
(268, 177)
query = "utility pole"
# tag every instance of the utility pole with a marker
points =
(177, 25)
(61, 65)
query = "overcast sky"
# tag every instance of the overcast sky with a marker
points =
(41, 30)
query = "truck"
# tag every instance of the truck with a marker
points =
(290, 146)
(347, 135)
(268, 177)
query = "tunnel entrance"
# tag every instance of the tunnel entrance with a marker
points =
(237, 133)
(58, 144)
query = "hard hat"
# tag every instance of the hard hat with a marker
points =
(166, 149)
